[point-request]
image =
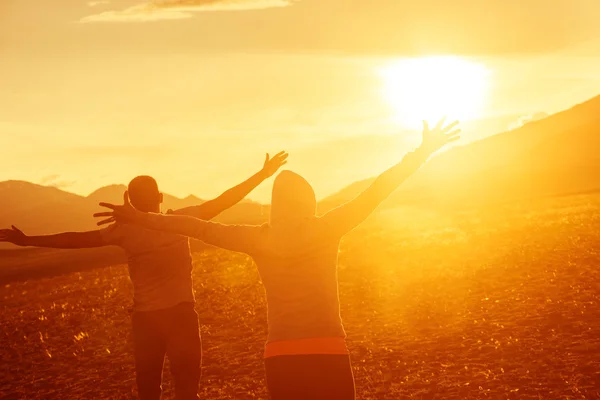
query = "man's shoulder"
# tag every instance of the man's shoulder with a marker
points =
(140, 231)
(119, 229)
(129, 235)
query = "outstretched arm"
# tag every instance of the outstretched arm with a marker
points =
(347, 216)
(67, 240)
(229, 198)
(241, 238)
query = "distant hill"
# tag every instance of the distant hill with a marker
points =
(41, 209)
(556, 154)
(553, 155)
(114, 194)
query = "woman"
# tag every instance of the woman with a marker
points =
(296, 254)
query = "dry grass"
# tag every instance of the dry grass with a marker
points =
(500, 303)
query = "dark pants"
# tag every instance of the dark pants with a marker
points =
(316, 377)
(173, 332)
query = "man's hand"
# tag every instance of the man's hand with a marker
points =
(14, 236)
(272, 165)
(124, 213)
(438, 137)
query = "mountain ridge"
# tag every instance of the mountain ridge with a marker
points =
(510, 149)
(518, 162)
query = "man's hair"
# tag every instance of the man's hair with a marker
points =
(144, 194)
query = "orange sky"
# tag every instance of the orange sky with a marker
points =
(195, 91)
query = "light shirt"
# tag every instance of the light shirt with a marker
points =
(160, 265)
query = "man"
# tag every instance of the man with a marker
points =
(160, 268)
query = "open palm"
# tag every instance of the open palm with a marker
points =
(438, 137)
(272, 165)
(119, 213)
(14, 236)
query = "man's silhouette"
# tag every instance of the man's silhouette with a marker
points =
(296, 254)
(160, 268)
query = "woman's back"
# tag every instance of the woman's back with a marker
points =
(298, 267)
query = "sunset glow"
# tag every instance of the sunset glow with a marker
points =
(296, 199)
(194, 94)
(432, 87)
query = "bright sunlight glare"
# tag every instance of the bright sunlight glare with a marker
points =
(429, 88)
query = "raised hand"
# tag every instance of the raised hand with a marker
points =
(14, 236)
(438, 137)
(122, 213)
(272, 165)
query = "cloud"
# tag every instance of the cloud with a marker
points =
(56, 181)
(179, 9)
(145, 151)
(98, 3)
(527, 119)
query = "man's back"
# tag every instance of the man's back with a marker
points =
(160, 265)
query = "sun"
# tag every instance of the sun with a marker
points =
(429, 88)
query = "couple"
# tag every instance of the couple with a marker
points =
(296, 254)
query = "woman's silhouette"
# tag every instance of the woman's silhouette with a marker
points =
(296, 254)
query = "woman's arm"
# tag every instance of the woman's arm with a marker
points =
(347, 216)
(241, 238)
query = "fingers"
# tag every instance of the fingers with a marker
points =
(280, 155)
(278, 160)
(283, 157)
(7, 235)
(425, 126)
(104, 214)
(453, 133)
(450, 127)
(126, 201)
(440, 123)
(452, 139)
(108, 205)
(16, 229)
(106, 221)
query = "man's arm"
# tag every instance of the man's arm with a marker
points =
(240, 238)
(66, 240)
(229, 198)
(347, 216)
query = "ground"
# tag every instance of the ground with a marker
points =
(497, 302)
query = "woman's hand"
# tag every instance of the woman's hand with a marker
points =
(438, 137)
(122, 213)
(272, 165)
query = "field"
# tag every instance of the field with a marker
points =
(501, 302)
